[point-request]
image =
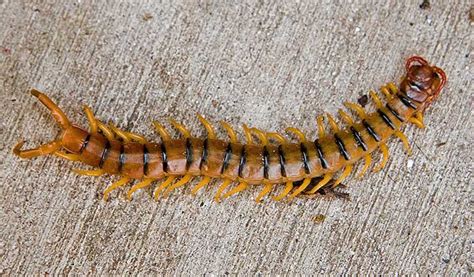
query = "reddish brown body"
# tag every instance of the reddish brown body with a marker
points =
(130, 156)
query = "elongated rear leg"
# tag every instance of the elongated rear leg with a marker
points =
(44, 149)
(49, 147)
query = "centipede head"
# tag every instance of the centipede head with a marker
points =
(423, 82)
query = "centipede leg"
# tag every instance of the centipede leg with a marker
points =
(165, 136)
(44, 149)
(301, 188)
(180, 127)
(358, 109)
(387, 92)
(67, 156)
(332, 123)
(105, 130)
(326, 178)
(205, 180)
(276, 137)
(241, 187)
(285, 192)
(121, 134)
(346, 118)
(127, 136)
(266, 190)
(247, 134)
(368, 161)
(384, 149)
(143, 184)
(93, 126)
(321, 128)
(345, 173)
(211, 133)
(95, 172)
(404, 140)
(123, 181)
(297, 132)
(162, 186)
(261, 135)
(221, 189)
(417, 120)
(230, 132)
(376, 99)
(180, 183)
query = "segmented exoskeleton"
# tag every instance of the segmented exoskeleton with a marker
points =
(305, 166)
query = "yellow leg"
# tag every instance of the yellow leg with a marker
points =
(404, 140)
(182, 182)
(143, 184)
(247, 133)
(261, 135)
(123, 181)
(56, 112)
(343, 176)
(346, 118)
(67, 156)
(376, 99)
(230, 132)
(221, 189)
(96, 172)
(384, 149)
(136, 137)
(297, 132)
(121, 134)
(106, 131)
(91, 118)
(332, 123)
(165, 136)
(180, 127)
(416, 120)
(368, 161)
(209, 128)
(321, 128)
(201, 184)
(301, 188)
(163, 186)
(285, 192)
(242, 186)
(44, 149)
(266, 190)
(393, 88)
(386, 92)
(356, 108)
(322, 183)
(276, 137)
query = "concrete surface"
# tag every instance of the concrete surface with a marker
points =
(270, 65)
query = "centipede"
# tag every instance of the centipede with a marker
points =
(283, 168)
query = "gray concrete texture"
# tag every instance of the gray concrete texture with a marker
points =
(267, 64)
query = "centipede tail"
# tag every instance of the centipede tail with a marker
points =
(285, 168)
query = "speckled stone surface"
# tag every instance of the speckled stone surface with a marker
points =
(269, 65)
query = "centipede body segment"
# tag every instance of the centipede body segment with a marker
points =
(285, 169)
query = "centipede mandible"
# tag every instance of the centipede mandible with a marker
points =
(280, 167)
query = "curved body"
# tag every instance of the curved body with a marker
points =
(271, 161)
